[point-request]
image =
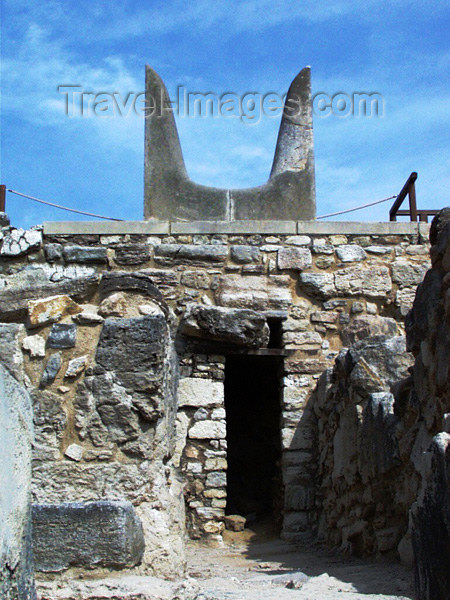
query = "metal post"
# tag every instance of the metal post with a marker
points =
(2, 198)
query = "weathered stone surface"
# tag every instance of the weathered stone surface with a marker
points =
(295, 259)
(74, 451)
(204, 430)
(123, 281)
(234, 326)
(255, 292)
(85, 254)
(19, 242)
(88, 316)
(198, 280)
(104, 533)
(431, 529)
(16, 434)
(374, 282)
(406, 274)
(199, 392)
(235, 522)
(114, 305)
(37, 281)
(132, 254)
(190, 253)
(62, 335)
(50, 421)
(367, 326)
(51, 369)
(53, 252)
(76, 366)
(35, 345)
(245, 254)
(50, 310)
(132, 345)
(350, 253)
(318, 284)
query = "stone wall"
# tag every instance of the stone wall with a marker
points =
(113, 315)
(383, 436)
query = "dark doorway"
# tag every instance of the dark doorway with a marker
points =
(252, 403)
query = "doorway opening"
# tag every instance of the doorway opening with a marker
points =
(253, 411)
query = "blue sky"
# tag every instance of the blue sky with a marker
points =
(398, 49)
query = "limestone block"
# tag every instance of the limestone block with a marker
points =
(198, 280)
(199, 392)
(204, 430)
(92, 534)
(216, 479)
(235, 522)
(245, 254)
(366, 326)
(296, 259)
(302, 339)
(407, 274)
(132, 254)
(35, 345)
(74, 451)
(298, 240)
(114, 305)
(254, 292)
(16, 433)
(298, 497)
(318, 284)
(76, 366)
(85, 254)
(37, 281)
(62, 335)
(50, 310)
(19, 242)
(190, 253)
(239, 327)
(350, 253)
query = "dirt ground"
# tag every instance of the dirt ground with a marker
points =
(249, 566)
(252, 567)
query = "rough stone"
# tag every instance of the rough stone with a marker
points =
(198, 280)
(245, 254)
(51, 369)
(92, 534)
(74, 451)
(132, 254)
(254, 292)
(366, 326)
(85, 254)
(88, 316)
(76, 366)
(36, 281)
(114, 305)
(318, 284)
(230, 326)
(350, 253)
(405, 274)
(50, 310)
(176, 253)
(62, 335)
(235, 522)
(139, 281)
(16, 431)
(295, 259)
(199, 392)
(35, 345)
(204, 430)
(19, 242)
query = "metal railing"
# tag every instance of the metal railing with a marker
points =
(409, 189)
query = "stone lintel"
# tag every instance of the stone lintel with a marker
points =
(235, 227)
(105, 227)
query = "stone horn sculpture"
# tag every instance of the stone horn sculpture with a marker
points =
(289, 194)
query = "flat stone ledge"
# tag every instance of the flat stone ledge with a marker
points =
(288, 227)
(358, 227)
(105, 227)
(236, 227)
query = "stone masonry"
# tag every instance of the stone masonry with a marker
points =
(103, 313)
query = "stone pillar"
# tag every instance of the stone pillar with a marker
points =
(16, 437)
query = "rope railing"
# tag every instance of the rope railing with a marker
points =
(407, 190)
